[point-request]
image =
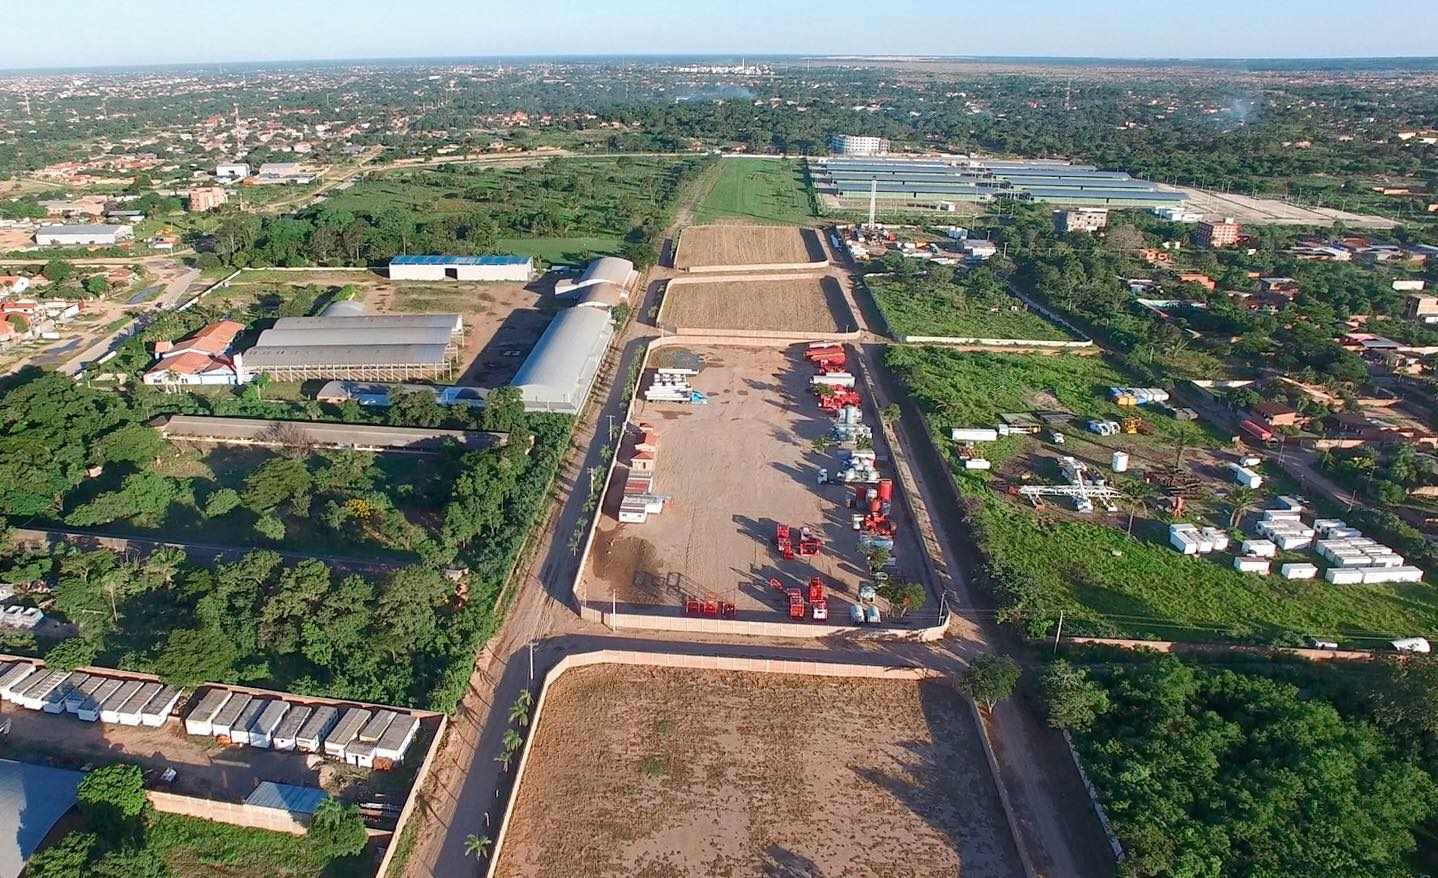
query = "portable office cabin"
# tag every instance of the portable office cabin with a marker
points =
(396, 740)
(90, 710)
(70, 694)
(262, 730)
(345, 731)
(312, 735)
(54, 700)
(13, 679)
(159, 708)
(200, 719)
(361, 751)
(288, 731)
(110, 707)
(225, 719)
(240, 729)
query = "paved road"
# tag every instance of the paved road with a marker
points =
(468, 789)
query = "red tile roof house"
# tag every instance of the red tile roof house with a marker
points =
(203, 358)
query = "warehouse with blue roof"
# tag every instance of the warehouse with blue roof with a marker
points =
(932, 180)
(481, 268)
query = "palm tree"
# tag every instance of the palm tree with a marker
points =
(519, 712)
(1135, 494)
(477, 846)
(1239, 502)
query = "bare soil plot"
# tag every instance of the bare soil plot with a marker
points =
(734, 469)
(667, 772)
(739, 246)
(794, 304)
(1276, 212)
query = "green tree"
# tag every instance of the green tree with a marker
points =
(503, 410)
(130, 443)
(66, 858)
(416, 408)
(221, 502)
(131, 861)
(336, 830)
(989, 679)
(1071, 699)
(904, 597)
(58, 270)
(477, 846)
(112, 798)
(97, 285)
(143, 497)
(197, 655)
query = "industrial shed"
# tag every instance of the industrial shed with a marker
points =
(420, 335)
(403, 362)
(559, 372)
(604, 270)
(453, 322)
(480, 268)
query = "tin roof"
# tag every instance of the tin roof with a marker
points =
(460, 260)
(286, 797)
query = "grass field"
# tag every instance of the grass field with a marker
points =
(935, 304)
(204, 849)
(767, 190)
(1105, 582)
(572, 250)
(799, 304)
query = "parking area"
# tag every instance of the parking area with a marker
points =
(733, 469)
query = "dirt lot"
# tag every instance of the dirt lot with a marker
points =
(813, 303)
(502, 321)
(736, 245)
(662, 772)
(734, 469)
(1274, 212)
(203, 767)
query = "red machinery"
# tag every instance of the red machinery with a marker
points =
(775, 584)
(839, 398)
(796, 604)
(878, 524)
(784, 542)
(809, 543)
(822, 353)
(816, 589)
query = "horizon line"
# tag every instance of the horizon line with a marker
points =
(742, 56)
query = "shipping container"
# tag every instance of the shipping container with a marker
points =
(1298, 571)
(90, 711)
(396, 739)
(262, 730)
(84, 695)
(311, 737)
(349, 725)
(225, 719)
(73, 694)
(34, 695)
(110, 707)
(240, 728)
(198, 722)
(158, 709)
(129, 712)
(974, 434)
(1251, 564)
(1343, 575)
(54, 700)
(288, 731)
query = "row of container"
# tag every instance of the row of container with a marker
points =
(354, 735)
(89, 697)
(22, 618)
(1137, 395)
(1190, 539)
(1286, 529)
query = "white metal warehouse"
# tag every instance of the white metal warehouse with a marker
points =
(481, 268)
(604, 270)
(369, 347)
(559, 372)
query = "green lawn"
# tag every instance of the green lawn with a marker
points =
(566, 250)
(970, 304)
(201, 848)
(767, 190)
(1105, 582)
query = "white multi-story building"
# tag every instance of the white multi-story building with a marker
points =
(858, 144)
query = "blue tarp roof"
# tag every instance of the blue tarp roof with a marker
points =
(287, 797)
(459, 260)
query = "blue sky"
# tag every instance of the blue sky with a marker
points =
(57, 33)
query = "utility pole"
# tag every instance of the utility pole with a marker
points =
(1058, 631)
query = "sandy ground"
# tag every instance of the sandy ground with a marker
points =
(1274, 212)
(800, 304)
(734, 469)
(502, 321)
(660, 772)
(747, 245)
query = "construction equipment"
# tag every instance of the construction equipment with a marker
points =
(809, 543)
(1131, 425)
(1087, 493)
(796, 604)
(775, 584)
(816, 589)
(784, 542)
(839, 399)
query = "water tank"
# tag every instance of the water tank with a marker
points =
(1120, 461)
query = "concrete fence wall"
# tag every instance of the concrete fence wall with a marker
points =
(796, 630)
(233, 813)
(411, 804)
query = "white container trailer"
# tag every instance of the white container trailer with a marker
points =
(1244, 476)
(90, 710)
(224, 722)
(360, 751)
(159, 708)
(262, 730)
(200, 718)
(1290, 541)
(110, 707)
(54, 700)
(833, 379)
(129, 712)
(1259, 548)
(240, 730)
(1184, 537)
(1412, 644)
(1290, 503)
(83, 695)
(1343, 575)
(10, 684)
(396, 740)
(34, 695)
(349, 725)
(1251, 564)
(1298, 570)
(67, 694)
(288, 731)
(1215, 538)
(974, 434)
(312, 735)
